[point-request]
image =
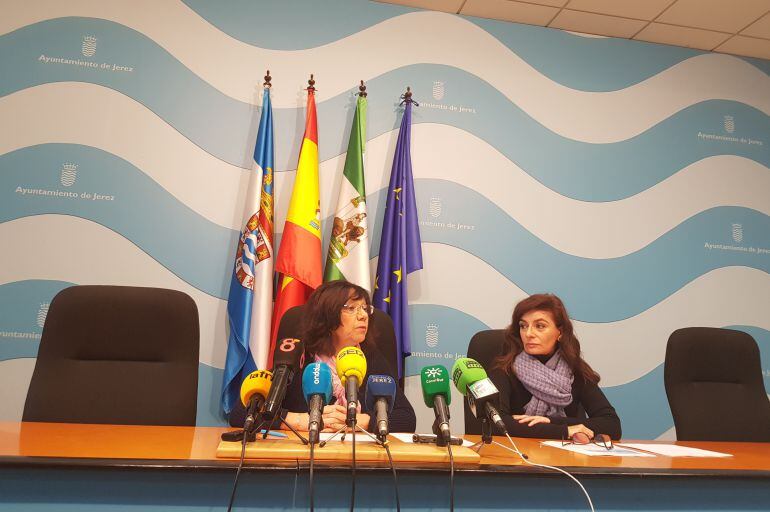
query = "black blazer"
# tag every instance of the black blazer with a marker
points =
(589, 406)
(401, 419)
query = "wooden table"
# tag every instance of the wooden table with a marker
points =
(116, 467)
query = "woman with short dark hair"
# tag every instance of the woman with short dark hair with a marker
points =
(547, 389)
(336, 316)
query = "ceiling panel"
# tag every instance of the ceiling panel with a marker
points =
(760, 28)
(552, 3)
(720, 15)
(682, 36)
(749, 46)
(596, 24)
(637, 9)
(434, 5)
(508, 10)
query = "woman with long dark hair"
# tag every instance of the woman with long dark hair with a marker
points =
(547, 390)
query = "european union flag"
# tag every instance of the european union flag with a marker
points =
(400, 249)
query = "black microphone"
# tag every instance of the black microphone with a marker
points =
(286, 357)
(380, 396)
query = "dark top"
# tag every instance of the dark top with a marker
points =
(401, 418)
(589, 406)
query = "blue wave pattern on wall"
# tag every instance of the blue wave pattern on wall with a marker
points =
(586, 63)
(586, 171)
(618, 287)
(293, 25)
(190, 246)
(24, 306)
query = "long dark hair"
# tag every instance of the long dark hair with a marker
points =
(569, 344)
(323, 312)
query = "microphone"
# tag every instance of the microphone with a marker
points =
(436, 394)
(472, 381)
(351, 368)
(254, 389)
(317, 388)
(380, 395)
(286, 356)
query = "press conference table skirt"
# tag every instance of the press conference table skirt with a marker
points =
(46, 466)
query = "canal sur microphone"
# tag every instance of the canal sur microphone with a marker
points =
(286, 359)
(380, 395)
(351, 368)
(317, 388)
(436, 394)
(471, 380)
(254, 389)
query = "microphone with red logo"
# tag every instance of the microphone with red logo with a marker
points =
(286, 360)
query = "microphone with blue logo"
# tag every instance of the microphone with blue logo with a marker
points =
(380, 395)
(317, 388)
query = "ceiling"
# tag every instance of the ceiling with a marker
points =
(739, 27)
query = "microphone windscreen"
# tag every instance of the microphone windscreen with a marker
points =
(288, 351)
(380, 386)
(351, 363)
(466, 371)
(257, 382)
(317, 380)
(435, 381)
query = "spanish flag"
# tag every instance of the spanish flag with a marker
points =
(299, 257)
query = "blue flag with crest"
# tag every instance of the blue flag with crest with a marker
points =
(400, 249)
(250, 302)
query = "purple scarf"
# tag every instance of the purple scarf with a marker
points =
(549, 383)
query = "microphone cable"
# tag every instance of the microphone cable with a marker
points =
(524, 458)
(395, 477)
(451, 478)
(312, 460)
(240, 464)
(353, 476)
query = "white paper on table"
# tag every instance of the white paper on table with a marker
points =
(595, 450)
(673, 450)
(407, 438)
(360, 437)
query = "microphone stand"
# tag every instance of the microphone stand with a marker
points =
(348, 428)
(284, 422)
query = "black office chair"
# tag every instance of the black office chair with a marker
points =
(714, 386)
(118, 355)
(380, 326)
(484, 347)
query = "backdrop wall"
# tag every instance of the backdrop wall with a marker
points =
(629, 178)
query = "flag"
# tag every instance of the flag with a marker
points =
(299, 257)
(348, 256)
(250, 302)
(400, 249)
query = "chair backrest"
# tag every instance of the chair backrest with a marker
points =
(484, 347)
(119, 355)
(714, 386)
(381, 328)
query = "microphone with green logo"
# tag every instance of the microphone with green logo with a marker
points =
(436, 394)
(472, 381)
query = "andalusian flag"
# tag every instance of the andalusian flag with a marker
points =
(400, 247)
(250, 302)
(299, 257)
(348, 256)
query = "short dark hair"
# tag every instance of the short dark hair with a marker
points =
(322, 314)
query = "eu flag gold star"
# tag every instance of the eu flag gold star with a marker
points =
(397, 191)
(398, 274)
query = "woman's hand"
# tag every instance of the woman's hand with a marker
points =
(531, 420)
(574, 429)
(298, 420)
(334, 417)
